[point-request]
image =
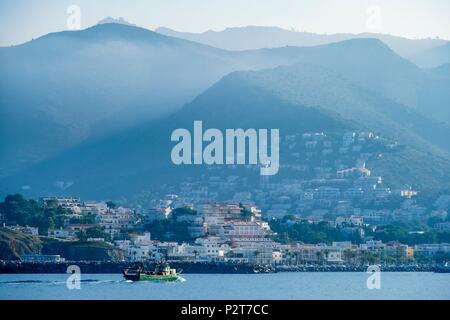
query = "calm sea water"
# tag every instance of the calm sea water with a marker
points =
(230, 286)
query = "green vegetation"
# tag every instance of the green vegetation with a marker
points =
(111, 204)
(409, 233)
(17, 209)
(245, 214)
(396, 168)
(95, 232)
(169, 230)
(182, 211)
(82, 250)
(87, 219)
(307, 232)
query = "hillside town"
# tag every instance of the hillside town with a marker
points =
(222, 232)
(326, 207)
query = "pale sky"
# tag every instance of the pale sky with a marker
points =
(22, 20)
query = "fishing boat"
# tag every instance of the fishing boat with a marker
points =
(442, 268)
(162, 272)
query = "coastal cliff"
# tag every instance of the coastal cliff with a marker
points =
(83, 250)
(14, 244)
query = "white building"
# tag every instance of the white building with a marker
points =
(212, 247)
(373, 245)
(65, 202)
(61, 234)
(26, 230)
(93, 207)
(430, 250)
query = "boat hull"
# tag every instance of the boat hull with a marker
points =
(139, 275)
(158, 278)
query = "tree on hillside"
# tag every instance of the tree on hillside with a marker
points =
(111, 205)
(16, 209)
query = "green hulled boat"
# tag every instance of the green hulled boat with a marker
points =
(162, 272)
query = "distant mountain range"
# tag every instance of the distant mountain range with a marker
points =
(91, 112)
(66, 87)
(257, 37)
(442, 72)
(118, 20)
(292, 99)
(433, 57)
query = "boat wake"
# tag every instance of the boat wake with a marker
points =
(53, 282)
(179, 279)
(23, 281)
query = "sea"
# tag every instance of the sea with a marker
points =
(274, 286)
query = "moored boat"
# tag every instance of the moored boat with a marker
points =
(442, 268)
(264, 269)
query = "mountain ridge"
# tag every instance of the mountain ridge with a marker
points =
(102, 79)
(256, 37)
(122, 83)
(141, 156)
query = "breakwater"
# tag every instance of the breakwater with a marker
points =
(117, 267)
(355, 268)
(190, 267)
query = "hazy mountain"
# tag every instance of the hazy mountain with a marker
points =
(366, 61)
(374, 66)
(139, 158)
(295, 99)
(313, 85)
(433, 57)
(118, 20)
(257, 37)
(95, 104)
(66, 87)
(441, 72)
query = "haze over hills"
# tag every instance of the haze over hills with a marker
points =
(118, 20)
(139, 158)
(91, 112)
(67, 87)
(380, 69)
(257, 37)
(433, 57)
(442, 72)
(374, 66)
(299, 98)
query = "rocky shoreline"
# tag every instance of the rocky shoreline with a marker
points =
(355, 268)
(18, 267)
(11, 267)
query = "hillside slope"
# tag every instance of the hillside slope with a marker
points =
(433, 57)
(296, 99)
(13, 244)
(257, 37)
(68, 87)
